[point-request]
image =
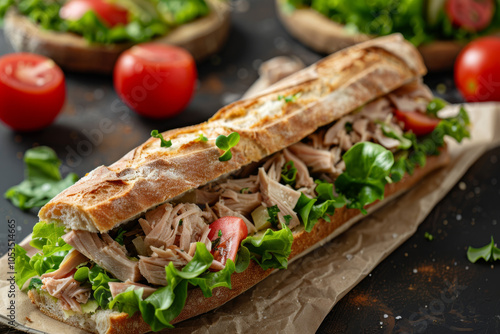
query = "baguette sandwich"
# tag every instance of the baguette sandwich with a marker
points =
(439, 28)
(89, 35)
(195, 216)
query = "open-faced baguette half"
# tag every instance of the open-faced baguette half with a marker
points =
(339, 86)
(202, 37)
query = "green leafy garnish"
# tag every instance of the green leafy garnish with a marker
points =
(43, 180)
(487, 253)
(289, 98)
(272, 249)
(120, 236)
(225, 143)
(163, 142)
(388, 130)
(311, 210)
(368, 166)
(202, 138)
(35, 283)
(245, 190)
(99, 279)
(166, 303)
(289, 173)
(428, 236)
(435, 106)
(47, 238)
(242, 260)
(287, 219)
(24, 271)
(216, 241)
(348, 127)
(273, 211)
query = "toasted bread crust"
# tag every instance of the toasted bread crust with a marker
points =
(201, 38)
(330, 36)
(196, 304)
(150, 175)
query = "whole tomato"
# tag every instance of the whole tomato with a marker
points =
(477, 70)
(155, 80)
(32, 91)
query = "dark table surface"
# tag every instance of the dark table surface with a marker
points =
(422, 287)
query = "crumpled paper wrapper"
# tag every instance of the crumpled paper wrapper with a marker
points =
(297, 300)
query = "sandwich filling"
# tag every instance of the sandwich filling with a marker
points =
(203, 237)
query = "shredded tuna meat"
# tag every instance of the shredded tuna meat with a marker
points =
(118, 287)
(317, 160)
(284, 197)
(106, 252)
(70, 262)
(242, 203)
(68, 291)
(182, 224)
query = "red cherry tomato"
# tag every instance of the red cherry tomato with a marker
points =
(472, 15)
(155, 80)
(232, 231)
(477, 70)
(417, 122)
(32, 91)
(108, 12)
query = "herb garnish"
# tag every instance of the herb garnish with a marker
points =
(273, 215)
(245, 191)
(488, 252)
(202, 138)
(120, 236)
(163, 142)
(287, 218)
(348, 127)
(216, 242)
(225, 143)
(289, 173)
(428, 236)
(289, 98)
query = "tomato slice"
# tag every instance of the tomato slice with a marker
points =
(417, 122)
(109, 13)
(32, 91)
(472, 15)
(227, 232)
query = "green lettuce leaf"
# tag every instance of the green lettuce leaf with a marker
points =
(43, 179)
(368, 166)
(99, 279)
(272, 249)
(323, 206)
(487, 253)
(24, 271)
(47, 238)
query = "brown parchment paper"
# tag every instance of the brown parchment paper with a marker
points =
(298, 299)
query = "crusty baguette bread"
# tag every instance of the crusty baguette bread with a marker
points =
(330, 37)
(150, 175)
(111, 322)
(201, 38)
